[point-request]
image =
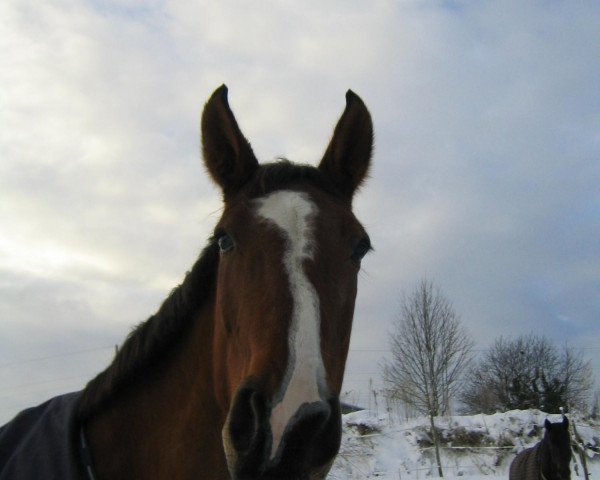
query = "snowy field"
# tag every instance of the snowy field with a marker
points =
(478, 447)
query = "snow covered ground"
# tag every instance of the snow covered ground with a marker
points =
(478, 447)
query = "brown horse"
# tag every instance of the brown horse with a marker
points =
(549, 459)
(238, 373)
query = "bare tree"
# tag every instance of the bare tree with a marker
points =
(430, 349)
(577, 375)
(595, 406)
(528, 372)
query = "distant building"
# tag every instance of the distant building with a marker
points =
(349, 408)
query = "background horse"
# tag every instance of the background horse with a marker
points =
(549, 459)
(238, 373)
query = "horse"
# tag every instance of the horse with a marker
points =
(549, 459)
(238, 373)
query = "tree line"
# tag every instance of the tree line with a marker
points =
(433, 367)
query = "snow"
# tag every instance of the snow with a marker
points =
(477, 447)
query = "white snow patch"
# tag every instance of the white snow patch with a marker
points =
(388, 447)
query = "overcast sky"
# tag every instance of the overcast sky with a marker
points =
(485, 180)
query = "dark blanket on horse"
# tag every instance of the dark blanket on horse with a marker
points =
(41, 442)
(526, 465)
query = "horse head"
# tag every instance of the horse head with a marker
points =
(558, 440)
(290, 251)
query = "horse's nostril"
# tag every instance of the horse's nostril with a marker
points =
(246, 438)
(311, 438)
(314, 416)
(247, 419)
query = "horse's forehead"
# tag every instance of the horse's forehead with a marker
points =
(290, 210)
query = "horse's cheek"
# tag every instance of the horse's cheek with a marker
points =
(220, 368)
(336, 327)
(224, 330)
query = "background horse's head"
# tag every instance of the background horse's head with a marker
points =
(290, 251)
(558, 440)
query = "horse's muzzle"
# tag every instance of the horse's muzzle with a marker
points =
(308, 446)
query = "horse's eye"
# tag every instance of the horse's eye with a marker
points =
(361, 249)
(225, 243)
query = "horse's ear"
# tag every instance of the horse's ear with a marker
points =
(227, 154)
(348, 156)
(565, 421)
(547, 424)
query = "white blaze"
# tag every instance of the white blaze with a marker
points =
(291, 212)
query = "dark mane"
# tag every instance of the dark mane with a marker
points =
(283, 173)
(155, 337)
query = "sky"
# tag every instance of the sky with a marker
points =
(485, 174)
